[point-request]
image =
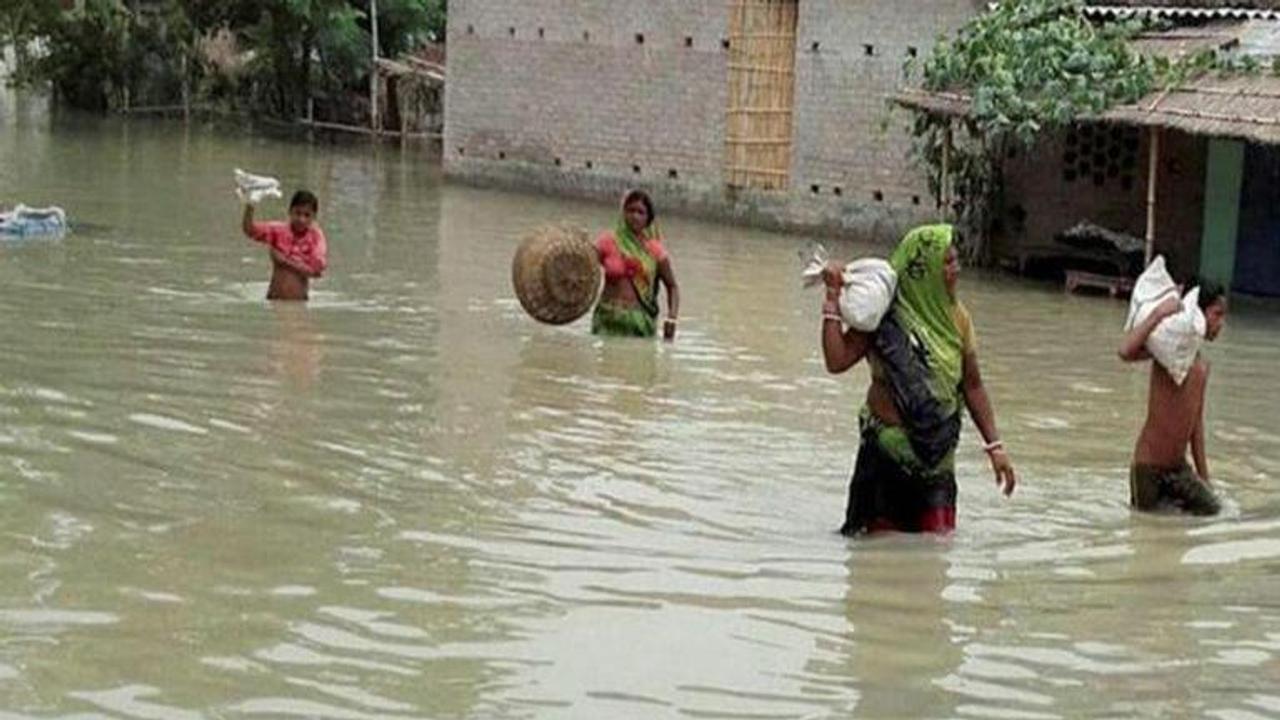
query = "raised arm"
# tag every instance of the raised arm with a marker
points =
(246, 222)
(1133, 347)
(984, 416)
(841, 349)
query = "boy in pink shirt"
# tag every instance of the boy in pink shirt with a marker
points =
(298, 248)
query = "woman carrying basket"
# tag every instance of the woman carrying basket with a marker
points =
(634, 261)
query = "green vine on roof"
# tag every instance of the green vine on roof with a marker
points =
(1029, 66)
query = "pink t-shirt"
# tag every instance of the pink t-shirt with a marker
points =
(308, 249)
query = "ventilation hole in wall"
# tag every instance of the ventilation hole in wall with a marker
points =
(586, 36)
(815, 45)
(635, 169)
(868, 50)
(688, 41)
(558, 163)
(725, 43)
(915, 199)
(511, 31)
(590, 165)
(639, 38)
(879, 196)
(673, 174)
(837, 191)
(462, 151)
(471, 29)
(815, 189)
(912, 51)
(542, 32)
(502, 155)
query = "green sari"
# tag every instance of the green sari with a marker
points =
(633, 321)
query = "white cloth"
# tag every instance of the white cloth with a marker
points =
(1176, 340)
(252, 189)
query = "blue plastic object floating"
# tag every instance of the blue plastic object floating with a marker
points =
(23, 222)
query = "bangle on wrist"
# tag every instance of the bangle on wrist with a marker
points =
(993, 446)
(832, 316)
(671, 320)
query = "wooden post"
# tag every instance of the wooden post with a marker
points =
(944, 179)
(1153, 174)
(373, 69)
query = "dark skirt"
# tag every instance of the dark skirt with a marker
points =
(884, 495)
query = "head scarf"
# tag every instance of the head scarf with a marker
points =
(633, 248)
(925, 310)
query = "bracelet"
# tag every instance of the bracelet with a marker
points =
(670, 321)
(993, 446)
(832, 316)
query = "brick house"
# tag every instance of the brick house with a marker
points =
(771, 112)
(1212, 146)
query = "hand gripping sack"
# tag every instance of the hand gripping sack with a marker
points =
(1176, 341)
(869, 287)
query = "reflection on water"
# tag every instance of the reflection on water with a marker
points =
(405, 499)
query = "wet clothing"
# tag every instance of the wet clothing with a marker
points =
(308, 249)
(634, 321)
(890, 490)
(904, 477)
(627, 257)
(1153, 488)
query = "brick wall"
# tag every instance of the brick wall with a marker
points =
(559, 96)
(1048, 190)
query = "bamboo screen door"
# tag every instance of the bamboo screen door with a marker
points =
(762, 61)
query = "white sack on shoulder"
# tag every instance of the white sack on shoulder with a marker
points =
(1150, 289)
(869, 287)
(1177, 339)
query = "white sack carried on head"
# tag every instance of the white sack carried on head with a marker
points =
(1176, 341)
(869, 287)
(252, 188)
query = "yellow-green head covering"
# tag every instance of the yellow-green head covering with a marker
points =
(925, 310)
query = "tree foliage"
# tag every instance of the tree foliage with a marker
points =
(1030, 66)
(293, 50)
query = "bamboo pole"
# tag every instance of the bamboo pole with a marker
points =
(1153, 174)
(373, 68)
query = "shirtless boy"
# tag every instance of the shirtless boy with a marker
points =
(1160, 476)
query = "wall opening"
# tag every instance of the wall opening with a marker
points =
(758, 127)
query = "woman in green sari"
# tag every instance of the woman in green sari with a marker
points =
(634, 261)
(924, 365)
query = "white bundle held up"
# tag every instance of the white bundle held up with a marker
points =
(1176, 341)
(869, 285)
(252, 188)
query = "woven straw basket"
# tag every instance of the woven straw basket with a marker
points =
(556, 274)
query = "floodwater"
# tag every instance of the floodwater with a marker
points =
(408, 500)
